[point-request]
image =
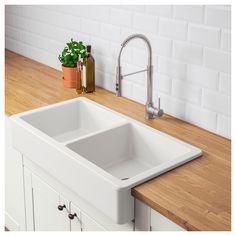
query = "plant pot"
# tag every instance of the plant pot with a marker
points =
(70, 76)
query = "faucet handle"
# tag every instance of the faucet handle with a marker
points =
(160, 111)
(159, 103)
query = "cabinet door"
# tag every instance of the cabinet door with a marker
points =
(88, 224)
(75, 223)
(14, 184)
(161, 223)
(46, 200)
(82, 222)
(142, 216)
(29, 200)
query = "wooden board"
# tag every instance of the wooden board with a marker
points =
(197, 195)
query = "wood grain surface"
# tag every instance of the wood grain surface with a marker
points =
(197, 195)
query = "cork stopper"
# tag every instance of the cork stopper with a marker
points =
(89, 47)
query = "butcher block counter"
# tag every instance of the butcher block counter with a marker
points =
(196, 196)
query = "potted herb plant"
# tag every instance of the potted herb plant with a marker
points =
(69, 57)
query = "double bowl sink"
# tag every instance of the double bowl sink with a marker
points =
(96, 152)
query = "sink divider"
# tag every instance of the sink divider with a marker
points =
(123, 123)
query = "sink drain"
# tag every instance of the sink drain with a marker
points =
(125, 178)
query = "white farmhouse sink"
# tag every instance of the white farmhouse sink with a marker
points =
(96, 152)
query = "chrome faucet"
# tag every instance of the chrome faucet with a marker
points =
(150, 111)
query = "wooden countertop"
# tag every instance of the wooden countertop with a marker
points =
(197, 195)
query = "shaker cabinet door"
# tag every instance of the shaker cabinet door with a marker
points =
(75, 218)
(81, 221)
(89, 224)
(50, 208)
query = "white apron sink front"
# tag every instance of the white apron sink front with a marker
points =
(97, 153)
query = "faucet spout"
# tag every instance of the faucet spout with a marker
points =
(149, 104)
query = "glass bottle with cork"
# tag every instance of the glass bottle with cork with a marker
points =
(88, 72)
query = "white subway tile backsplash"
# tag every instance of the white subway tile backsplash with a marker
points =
(172, 28)
(161, 10)
(10, 9)
(171, 105)
(38, 28)
(104, 80)
(51, 17)
(33, 52)
(217, 60)
(203, 77)
(201, 117)
(191, 51)
(224, 126)
(189, 13)
(219, 17)
(133, 8)
(216, 101)
(161, 83)
(225, 84)
(121, 17)
(139, 93)
(188, 53)
(83, 11)
(161, 46)
(113, 51)
(186, 91)
(31, 39)
(226, 40)
(145, 23)
(104, 63)
(90, 27)
(206, 36)
(100, 13)
(171, 68)
(99, 78)
(140, 58)
(127, 89)
(100, 46)
(220, 6)
(110, 32)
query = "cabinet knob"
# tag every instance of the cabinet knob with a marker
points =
(72, 216)
(61, 207)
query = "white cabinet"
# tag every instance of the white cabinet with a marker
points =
(75, 222)
(48, 210)
(88, 224)
(142, 216)
(46, 205)
(147, 219)
(14, 185)
(28, 200)
(80, 221)
(161, 223)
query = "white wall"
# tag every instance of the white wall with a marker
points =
(191, 51)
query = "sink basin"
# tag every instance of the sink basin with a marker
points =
(130, 150)
(72, 120)
(96, 152)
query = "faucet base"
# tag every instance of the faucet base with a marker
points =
(152, 112)
(149, 116)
